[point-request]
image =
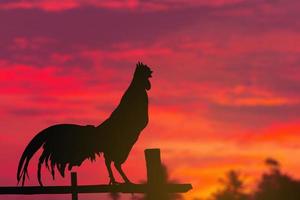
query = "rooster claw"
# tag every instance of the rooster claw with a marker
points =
(128, 183)
(113, 182)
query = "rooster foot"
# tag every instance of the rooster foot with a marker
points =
(128, 182)
(113, 182)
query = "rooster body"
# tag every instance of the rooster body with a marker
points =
(68, 145)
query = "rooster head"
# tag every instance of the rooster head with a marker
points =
(143, 73)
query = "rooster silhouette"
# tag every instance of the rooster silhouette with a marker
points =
(68, 145)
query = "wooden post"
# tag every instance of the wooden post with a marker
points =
(155, 175)
(74, 185)
(154, 168)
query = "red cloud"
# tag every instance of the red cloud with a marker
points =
(28, 79)
(286, 134)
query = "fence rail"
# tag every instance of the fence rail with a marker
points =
(123, 188)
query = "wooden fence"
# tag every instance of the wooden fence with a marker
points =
(155, 186)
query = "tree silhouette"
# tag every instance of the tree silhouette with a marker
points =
(275, 185)
(163, 195)
(233, 188)
(115, 196)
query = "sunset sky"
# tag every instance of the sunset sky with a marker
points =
(225, 87)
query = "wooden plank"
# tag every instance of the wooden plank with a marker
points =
(122, 188)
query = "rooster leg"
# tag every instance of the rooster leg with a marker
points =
(119, 168)
(112, 180)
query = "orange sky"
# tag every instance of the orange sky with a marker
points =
(224, 89)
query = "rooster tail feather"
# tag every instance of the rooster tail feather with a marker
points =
(42, 158)
(29, 151)
(39, 172)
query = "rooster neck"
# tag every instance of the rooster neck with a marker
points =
(140, 83)
(134, 100)
(132, 110)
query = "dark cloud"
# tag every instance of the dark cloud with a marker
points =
(90, 26)
(87, 28)
(73, 31)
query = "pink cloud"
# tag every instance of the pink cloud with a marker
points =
(24, 43)
(49, 5)
(250, 96)
(126, 53)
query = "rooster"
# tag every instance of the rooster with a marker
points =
(68, 145)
